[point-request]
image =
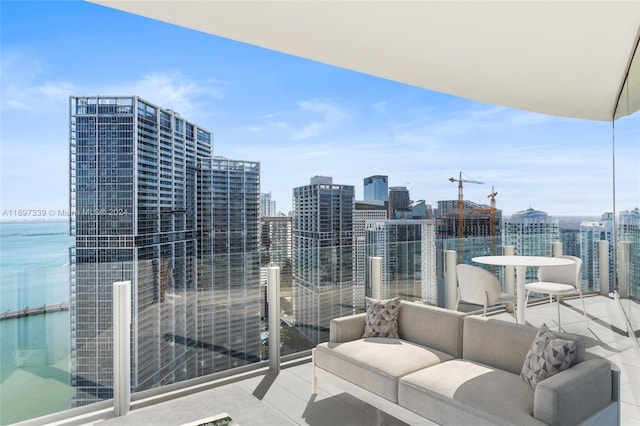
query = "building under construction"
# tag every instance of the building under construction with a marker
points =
(476, 222)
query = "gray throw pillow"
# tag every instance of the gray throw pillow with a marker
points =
(382, 317)
(548, 355)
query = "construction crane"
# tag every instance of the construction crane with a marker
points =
(492, 197)
(492, 218)
(460, 224)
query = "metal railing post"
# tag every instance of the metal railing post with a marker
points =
(451, 278)
(273, 299)
(509, 271)
(557, 249)
(121, 347)
(602, 248)
(624, 250)
(375, 272)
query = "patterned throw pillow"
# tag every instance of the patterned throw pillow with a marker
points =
(548, 355)
(382, 317)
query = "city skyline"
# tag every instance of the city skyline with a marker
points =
(298, 118)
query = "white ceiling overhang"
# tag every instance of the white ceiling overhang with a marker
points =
(564, 58)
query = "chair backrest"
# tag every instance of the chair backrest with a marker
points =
(564, 274)
(477, 285)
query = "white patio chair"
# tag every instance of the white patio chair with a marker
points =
(480, 287)
(559, 280)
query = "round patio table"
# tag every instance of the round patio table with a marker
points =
(521, 263)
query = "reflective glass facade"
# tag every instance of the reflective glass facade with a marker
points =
(408, 252)
(153, 206)
(323, 283)
(228, 321)
(531, 232)
(376, 188)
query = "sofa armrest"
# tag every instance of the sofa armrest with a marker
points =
(345, 329)
(573, 395)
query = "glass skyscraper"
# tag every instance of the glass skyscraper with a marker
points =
(267, 205)
(376, 188)
(323, 285)
(629, 231)
(363, 212)
(531, 232)
(139, 209)
(590, 233)
(228, 263)
(408, 252)
(276, 246)
(398, 201)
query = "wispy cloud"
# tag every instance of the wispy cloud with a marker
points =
(331, 117)
(173, 89)
(28, 85)
(309, 119)
(484, 120)
(380, 107)
(23, 86)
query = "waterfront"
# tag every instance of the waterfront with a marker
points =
(34, 350)
(34, 264)
(34, 366)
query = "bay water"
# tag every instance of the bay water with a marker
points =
(34, 350)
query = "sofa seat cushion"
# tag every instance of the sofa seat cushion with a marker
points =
(466, 392)
(377, 363)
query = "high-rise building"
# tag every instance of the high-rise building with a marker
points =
(408, 252)
(228, 321)
(629, 238)
(267, 205)
(450, 207)
(398, 201)
(376, 188)
(323, 286)
(476, 219)
(590, 233)
(364, 211)
(416, 210)
(532, 233)
(141, 194)
(570, 239)
(133, 182)
(276, 247)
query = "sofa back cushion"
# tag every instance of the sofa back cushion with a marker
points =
(505, 345)
(431, 326)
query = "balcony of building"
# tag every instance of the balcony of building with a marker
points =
(251, 392)
(254, 394)
(286, 398)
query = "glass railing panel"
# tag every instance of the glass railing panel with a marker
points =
(627, 187)
(198, 315)
(34, 272)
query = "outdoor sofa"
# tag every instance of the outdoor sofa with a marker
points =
(458, 369)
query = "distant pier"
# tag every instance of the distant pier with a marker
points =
(35, 310)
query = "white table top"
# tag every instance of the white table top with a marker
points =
(522, 260)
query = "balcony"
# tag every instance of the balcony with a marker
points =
(257, 396)
(287, 399)
(229, 380)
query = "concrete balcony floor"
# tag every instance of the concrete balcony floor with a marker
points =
(286, 399)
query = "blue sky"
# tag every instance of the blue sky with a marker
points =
(297, 117)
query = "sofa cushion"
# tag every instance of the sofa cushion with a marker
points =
(376, 363)
(382, 317)
(465, 392)
(547, 356)
(433, 327)
(505, 345)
